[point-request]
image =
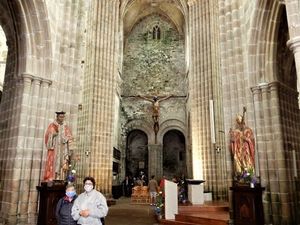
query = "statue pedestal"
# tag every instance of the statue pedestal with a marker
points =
(195, 191)
(247, 205)
(50, 193)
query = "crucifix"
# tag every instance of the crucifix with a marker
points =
(155, 111)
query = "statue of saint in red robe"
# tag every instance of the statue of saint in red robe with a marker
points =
(58, 138)
(242, 146)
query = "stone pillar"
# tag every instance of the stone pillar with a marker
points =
(27, 148)
(100, 84)
(272, 152)
(281, 212)
(21, 135)
(204, 85)
(13, 154)
(264, 152)
(155, 163)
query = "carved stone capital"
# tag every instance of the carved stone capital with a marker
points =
(294, 44)
(255, 90)
(259, 88)
(27, 77)
(191, 2)
(37, 80)
(46, 82)
(274, 85)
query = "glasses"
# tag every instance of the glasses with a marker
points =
(90, 184)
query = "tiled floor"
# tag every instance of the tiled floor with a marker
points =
(124, 213)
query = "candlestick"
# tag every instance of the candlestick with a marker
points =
(294, 163)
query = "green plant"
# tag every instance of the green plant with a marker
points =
(246, 176)
(159, 205)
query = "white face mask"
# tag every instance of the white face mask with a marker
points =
(88, 188)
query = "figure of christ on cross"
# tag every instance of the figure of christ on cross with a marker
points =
(155, 110)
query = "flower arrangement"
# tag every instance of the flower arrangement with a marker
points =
(71, 175)
(182, 192)
(247, 177)
(159, 206)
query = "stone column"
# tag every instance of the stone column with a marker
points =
(100, 82)
(13, 161)
(21, 148)
(271, 108)
(204, 85)
(261, 158)
(35, 144)
(27, 149)
(155, 163)
(282, 209)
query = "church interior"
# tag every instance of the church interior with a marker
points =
(151, 87)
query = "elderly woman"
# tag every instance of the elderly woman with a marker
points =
(90, 207)
(64, 207)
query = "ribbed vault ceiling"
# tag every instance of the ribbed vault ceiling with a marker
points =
(136, 10)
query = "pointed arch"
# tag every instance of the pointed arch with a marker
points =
(132, 11)
(264, 30)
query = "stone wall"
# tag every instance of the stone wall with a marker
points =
(153, 66)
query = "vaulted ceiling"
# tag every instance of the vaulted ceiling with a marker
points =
(135, 10)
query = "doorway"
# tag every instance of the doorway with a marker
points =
(174, 154)
(137, 153)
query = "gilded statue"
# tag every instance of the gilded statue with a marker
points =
(242, 146)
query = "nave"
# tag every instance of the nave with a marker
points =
(125, 213)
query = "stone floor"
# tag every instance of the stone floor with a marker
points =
(124, 213)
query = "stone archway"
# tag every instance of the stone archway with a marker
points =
(273, 81)
(136, 153)
(36, 84)
(174, 154)
(23, 108)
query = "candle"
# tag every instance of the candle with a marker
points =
(212, 121)
(294, 163)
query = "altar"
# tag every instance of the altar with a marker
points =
(195, 191)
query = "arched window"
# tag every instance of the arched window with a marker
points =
(156, 32)
(3, 55)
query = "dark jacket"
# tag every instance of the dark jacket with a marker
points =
(63, 212)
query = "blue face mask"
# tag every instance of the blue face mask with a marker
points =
(71, 194)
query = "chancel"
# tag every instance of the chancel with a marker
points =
(182, 90)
